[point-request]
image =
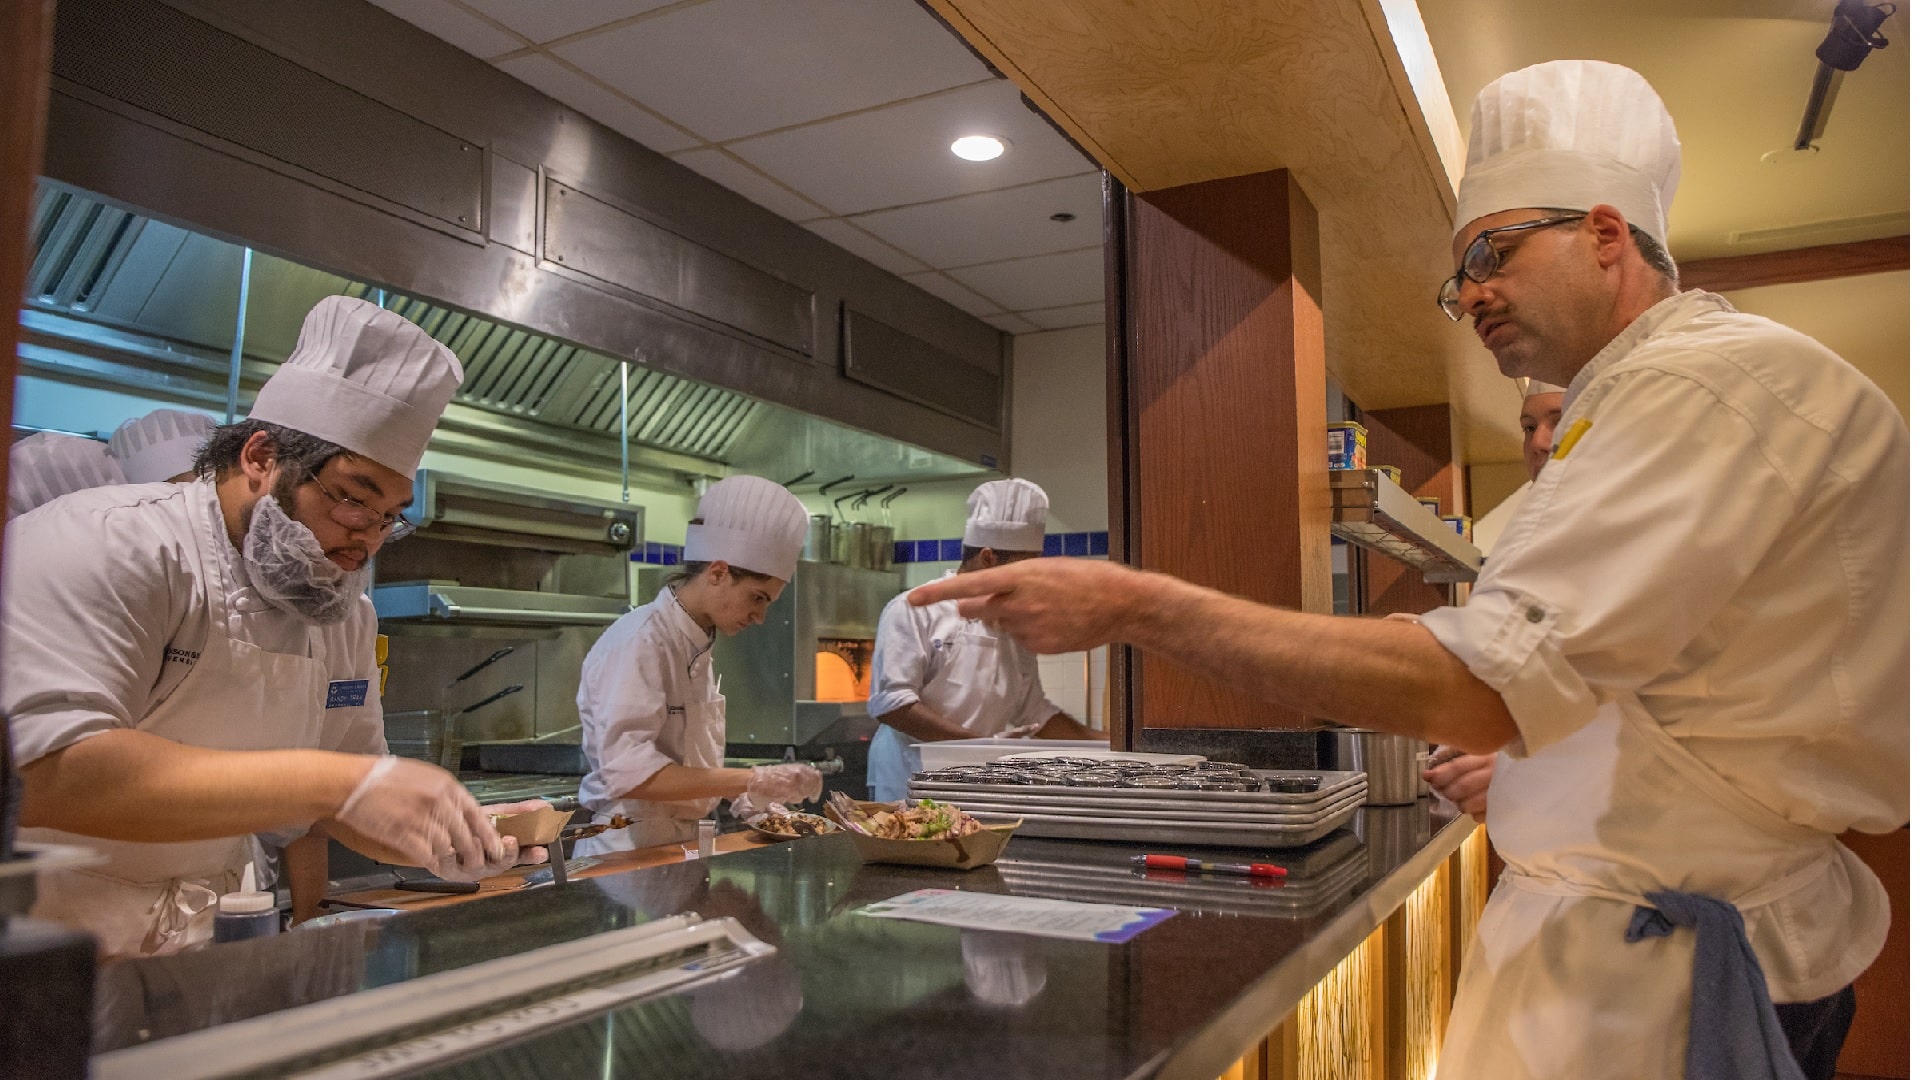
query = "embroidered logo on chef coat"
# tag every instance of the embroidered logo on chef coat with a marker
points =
(182, 656)
(346, 693)
(680, 710)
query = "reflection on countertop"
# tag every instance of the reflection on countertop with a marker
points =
(844, 995)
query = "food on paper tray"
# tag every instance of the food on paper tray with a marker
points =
(924, 819)
(788, 824)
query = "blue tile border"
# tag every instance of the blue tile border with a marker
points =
(1092, 544)
(657, 554)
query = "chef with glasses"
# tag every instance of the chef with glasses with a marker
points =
(183, 665)
(1691, 640)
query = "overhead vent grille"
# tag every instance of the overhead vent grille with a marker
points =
(666, 411)
(78, 243)
(527, 374)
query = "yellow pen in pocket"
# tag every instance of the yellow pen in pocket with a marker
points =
(1574, 432)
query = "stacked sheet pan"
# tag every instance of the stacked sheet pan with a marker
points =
(1211, 803)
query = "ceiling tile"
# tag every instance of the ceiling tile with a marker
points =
(730, 68)
(458, 27)
(864, 246)
(898, 155)
(553, 79)
(549, 19)
(728, 172)
(1062, 317)
(956, 294)
(1046, 281)
(1012, 324)
(995, 225)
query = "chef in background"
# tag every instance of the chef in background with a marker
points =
(186, 665)
(1462, 778)
(1539, 414)
(48, 464)
(939, 676)
(160, 446)
(652, 720)
(1692, 640)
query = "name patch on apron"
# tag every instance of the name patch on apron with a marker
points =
(346, 693)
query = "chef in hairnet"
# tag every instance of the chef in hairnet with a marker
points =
(939, 676)
(652, 720)
(48, 464)
(1692, 639)
(160, 446)
(186, 665)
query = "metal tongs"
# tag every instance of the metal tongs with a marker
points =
(557, 860)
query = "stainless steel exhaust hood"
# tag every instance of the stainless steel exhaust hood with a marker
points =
(332, 134)
(119, 299)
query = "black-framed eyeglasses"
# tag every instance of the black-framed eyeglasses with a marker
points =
(1482, 260)
(351, 513)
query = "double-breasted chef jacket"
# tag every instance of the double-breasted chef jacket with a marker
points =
(130, 607)
(1698, 620)
(969, 673)
(648, 699)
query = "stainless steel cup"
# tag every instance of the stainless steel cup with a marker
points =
(1391, 763)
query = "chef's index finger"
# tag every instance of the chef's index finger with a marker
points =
(1000, 579)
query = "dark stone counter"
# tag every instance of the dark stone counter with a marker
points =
(850, 996)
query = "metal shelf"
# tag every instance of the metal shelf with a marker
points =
(1373, 512)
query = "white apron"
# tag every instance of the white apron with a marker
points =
(159, 898)
(1551, 988)
(702, 735)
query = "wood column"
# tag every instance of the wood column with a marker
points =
(1419, 442)
(26, 57)
(1217, 416)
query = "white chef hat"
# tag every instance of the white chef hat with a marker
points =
(160, 445)
(46, 465)
(1530, 387)
(1007, 515)
(364, 378)
(1572, 134)
(749, 523)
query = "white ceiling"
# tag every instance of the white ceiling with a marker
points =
(835, 114)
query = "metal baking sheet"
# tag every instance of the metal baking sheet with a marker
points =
(1290, 899)
(1043, 799)
(1211, 834)
(1334, 781)
(1014, 804)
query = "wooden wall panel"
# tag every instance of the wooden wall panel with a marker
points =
(1419, 442)
(26, 57)
(1879, 1043)
(1222, 370)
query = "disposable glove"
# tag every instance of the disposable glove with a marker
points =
(513, 856)
(790, 783)
(422, 814)
(1023, 731)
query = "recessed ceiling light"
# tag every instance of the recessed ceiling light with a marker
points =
(979, 147)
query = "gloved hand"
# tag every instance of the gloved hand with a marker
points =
(514, 855)
(422, 814)
(788, 783)
(1024, 731)
(1462, 779)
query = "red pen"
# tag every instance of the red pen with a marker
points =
(1195, 866)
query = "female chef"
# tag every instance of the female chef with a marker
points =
(652, 721)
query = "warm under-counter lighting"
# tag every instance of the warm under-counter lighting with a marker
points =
(979, 147)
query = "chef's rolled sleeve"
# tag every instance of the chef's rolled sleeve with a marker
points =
(900, 660)
(1664, 497)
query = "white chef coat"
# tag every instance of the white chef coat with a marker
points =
(648, 699)
(972, 675)
(109, 612)
(1698, 621)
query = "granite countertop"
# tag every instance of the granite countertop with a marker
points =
(850, 996)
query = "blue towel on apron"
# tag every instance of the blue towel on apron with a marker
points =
(1733, 1032)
